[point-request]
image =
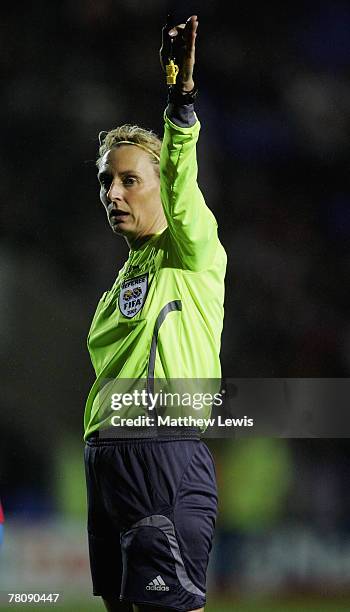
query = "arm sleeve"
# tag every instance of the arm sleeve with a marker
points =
(192, 225)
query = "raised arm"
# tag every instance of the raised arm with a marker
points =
(191, 223)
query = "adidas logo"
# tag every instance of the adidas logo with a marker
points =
(157, 584)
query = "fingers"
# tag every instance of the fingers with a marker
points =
(177, 30)
(189, 28)
(192, 25)
(190, 34)
(185, 34)
(182, 37)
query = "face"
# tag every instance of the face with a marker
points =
(130, 192)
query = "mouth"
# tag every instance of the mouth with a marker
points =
(118, 216)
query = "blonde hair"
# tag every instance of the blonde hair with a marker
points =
(130, 134)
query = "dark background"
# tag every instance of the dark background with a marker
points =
(274, 105)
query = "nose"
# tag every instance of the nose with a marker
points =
(115, 192)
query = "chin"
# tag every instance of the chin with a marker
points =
(116, 229)
(119, 231)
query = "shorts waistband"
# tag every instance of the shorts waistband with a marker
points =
(143, 433)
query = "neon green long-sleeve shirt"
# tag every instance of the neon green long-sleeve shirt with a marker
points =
(163, 317)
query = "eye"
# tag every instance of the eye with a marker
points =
(129, 180)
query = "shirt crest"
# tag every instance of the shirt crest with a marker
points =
(132, 295)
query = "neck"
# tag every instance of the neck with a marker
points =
(136, 242)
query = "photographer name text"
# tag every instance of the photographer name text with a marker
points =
(183, 421)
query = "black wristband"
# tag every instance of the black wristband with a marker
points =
(178, 97)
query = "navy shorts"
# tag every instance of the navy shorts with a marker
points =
(151, 515)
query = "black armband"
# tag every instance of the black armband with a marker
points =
(178, 97)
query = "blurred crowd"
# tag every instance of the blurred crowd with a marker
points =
(274, 105)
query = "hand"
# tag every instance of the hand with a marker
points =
(184, 38)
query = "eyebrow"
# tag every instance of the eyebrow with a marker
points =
(105, 172)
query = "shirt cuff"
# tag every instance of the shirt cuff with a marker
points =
(182, 115)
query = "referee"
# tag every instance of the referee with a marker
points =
(152, 496)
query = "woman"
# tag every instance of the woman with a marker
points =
(151, 489)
